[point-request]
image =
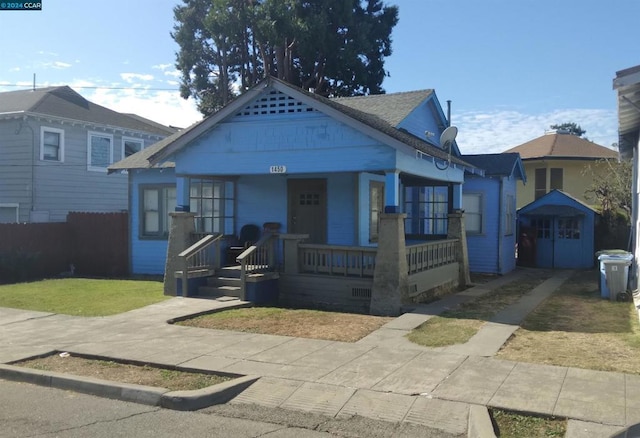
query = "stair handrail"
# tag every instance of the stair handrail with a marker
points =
(259, 257)
(198, 257)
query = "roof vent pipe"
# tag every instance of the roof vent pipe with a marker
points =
(448, 113)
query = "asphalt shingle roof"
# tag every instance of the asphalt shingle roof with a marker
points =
(560, 145)
(494, 164)
(66, 103)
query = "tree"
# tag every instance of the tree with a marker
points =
(611, 188)
(571, 127)
(335, 47)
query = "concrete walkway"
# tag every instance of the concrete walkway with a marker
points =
(383, 376)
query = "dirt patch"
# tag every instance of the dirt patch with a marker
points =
(314, 324)
(146, 375)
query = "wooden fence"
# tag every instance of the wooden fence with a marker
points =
(96, 244)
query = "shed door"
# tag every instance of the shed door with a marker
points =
(545, 236)
(569, 245)
(308, 208)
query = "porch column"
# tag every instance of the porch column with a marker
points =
(456, 230)
(182, 194)
(391, 275)
(392, 192)
(182, 225)
(457, 196)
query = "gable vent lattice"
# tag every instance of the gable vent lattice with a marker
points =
(274, 103)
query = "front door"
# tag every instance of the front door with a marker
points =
(307, 210)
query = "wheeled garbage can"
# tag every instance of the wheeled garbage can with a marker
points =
(614, 273)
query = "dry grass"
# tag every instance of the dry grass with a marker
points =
(515, 425)
(457, 326)
(314, 324)
(125, 373)
(576, 327)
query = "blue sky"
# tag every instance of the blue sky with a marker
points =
(510, 68)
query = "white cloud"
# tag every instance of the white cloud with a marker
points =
(174, 73)
(162, 67)
(132, 77)
(59, 65)
(498, 130)
(166, 107)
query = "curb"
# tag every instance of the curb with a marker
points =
(147, 395)
(480, 425)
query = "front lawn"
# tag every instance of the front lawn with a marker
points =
(82, 296)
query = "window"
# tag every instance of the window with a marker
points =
(472, 206)
(509, 212)
(51, 144)
(130, 146)
(376, 206)
(156, 202)
(427, 210)
(543, 228)
(541, 182)
(99, 151)
(8, 213)
(555, 176)
(213, 203)
(569, 228)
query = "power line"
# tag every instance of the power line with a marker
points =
(95, 87)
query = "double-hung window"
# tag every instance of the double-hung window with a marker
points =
(99, 151)
(51, 144)
(472, 206)
(131, 145)
(212, 201)
(509, 215)
(156, 202)
(427, 210)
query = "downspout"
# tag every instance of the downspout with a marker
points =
(500, 225)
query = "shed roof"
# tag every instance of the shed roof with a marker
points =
(64, 102)
(562, 145)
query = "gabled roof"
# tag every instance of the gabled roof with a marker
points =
(391, 108)
(562, 145)
(504, 164)
(354, 114)
(65, 103)
(566, 207)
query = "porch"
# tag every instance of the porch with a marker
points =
(283, 268)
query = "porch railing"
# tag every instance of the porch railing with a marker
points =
(199, 260)
(429, 255)
(337, 260)
(361, 261)
(258, 258)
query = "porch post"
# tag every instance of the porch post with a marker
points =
(392, 192)
(182, 225)
(182, 194)
(456, 230)
(391, 275)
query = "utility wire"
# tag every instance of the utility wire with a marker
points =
(93, 87)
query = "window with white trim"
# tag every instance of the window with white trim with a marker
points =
(131, 145)
(99, 151)
(156, 202)
(51, 144)
(472, 206)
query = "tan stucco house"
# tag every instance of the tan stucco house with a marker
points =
(557, 160)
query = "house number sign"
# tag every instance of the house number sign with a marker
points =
(277, 169)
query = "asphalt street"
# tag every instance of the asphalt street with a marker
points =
(33, 411)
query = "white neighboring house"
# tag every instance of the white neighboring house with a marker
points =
(55, 147)
(627, 85)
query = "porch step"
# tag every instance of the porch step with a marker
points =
(222, 285)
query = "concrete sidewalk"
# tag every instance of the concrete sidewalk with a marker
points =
(382, 376)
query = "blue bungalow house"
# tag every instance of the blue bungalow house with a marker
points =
(326, 181)
(557, 231)
(489, 205)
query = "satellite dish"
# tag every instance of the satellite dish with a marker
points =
(448, 136)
